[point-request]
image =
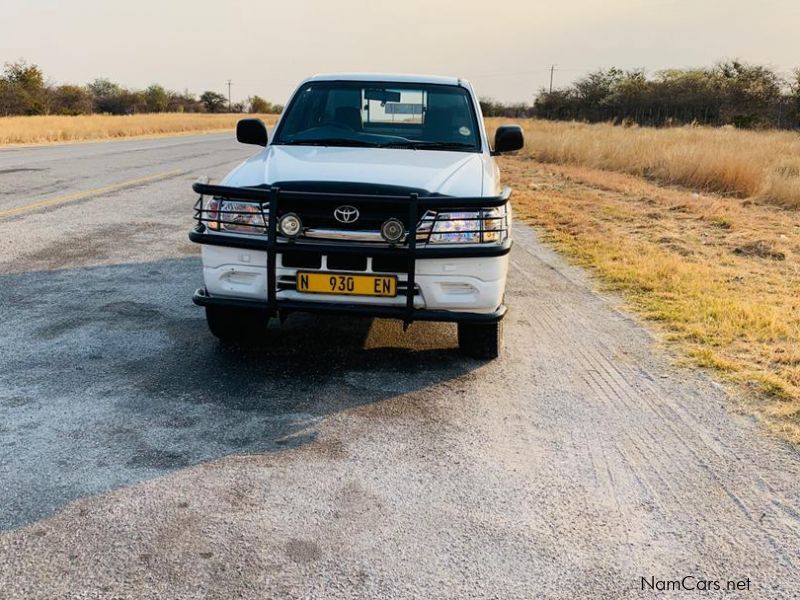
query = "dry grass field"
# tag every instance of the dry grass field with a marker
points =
(718, 275)
(746, 164)
(46, 129)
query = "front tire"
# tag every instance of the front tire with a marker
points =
(237, 325)
(480, 340)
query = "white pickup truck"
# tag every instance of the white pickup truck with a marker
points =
(377, 195)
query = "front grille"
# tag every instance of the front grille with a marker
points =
(318, 214)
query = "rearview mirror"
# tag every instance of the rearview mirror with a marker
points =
(508, 138)
(382, 95)
(251, 131)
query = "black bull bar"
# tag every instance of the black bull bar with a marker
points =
(273, 202)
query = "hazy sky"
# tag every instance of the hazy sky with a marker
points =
(505, 47)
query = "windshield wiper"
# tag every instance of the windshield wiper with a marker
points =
(327, 142)
(413, 144)
(441, 145)
(421, 145)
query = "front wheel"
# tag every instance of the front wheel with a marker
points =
(480, 340)
(237, 325)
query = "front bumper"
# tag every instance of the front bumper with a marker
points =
(447, 288)
(201, 298)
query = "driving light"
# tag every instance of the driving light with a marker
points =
(290, 225)
(392, 230)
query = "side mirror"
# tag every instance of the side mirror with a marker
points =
(251, 131)
(508, 138)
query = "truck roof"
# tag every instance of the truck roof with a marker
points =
(390, 77)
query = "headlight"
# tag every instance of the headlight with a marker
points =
(486, 225)
(234, 216)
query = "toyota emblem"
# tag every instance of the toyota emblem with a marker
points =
(346, 214)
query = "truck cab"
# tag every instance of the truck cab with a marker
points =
(376, 195)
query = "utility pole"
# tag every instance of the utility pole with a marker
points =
(552, 68)
(229, 93)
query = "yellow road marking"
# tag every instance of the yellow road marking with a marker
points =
(87, 193)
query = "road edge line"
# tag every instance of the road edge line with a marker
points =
(75, 196)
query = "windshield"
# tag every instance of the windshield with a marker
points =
(382, 115)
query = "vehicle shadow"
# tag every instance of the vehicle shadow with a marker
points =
(108, 376)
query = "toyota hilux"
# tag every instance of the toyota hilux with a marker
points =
(377, 195)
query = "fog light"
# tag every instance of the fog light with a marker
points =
(392, 230)
(290, 225)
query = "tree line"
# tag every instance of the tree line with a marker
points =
(25, 91)
(728, 93)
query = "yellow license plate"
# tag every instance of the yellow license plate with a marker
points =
(344, 283)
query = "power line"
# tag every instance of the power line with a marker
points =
(552, 68)
(229, 95)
